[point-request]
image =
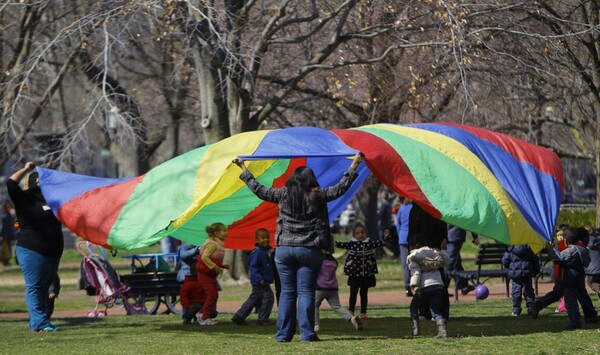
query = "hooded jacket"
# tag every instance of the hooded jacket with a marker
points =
(424, 264)
(572, 262)
(520, 261)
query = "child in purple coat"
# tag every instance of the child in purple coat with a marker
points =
(328, 289)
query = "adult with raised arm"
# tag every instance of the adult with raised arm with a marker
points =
(302, 231)
(39, 246)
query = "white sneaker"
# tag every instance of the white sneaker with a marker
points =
(317, 328)
(206, 321)
(356, 322)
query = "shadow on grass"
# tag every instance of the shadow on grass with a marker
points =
(398, 327)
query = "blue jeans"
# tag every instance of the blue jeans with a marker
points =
(38, 272)
(298, 268)
(405, 270)
(261, 296)
(522, 286)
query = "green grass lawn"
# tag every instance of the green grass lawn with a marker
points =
(482, 327)
(475, 328)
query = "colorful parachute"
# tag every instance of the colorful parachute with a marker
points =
(482, 181)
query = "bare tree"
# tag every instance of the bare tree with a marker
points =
(538, 62)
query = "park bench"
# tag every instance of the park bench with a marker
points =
(487, 254)
(153, 283)
(152, 289)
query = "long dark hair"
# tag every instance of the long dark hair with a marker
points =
(303, 192)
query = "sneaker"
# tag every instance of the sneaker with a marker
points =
(356, 322)
(515, 314)
(466, 290)
(206, 321)
(408, 293)
(363, 315)
(317, 328)
(238, 320)
(534, 311)
(48, 330)
(187, 321)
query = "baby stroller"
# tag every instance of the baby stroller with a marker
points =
(101, 279)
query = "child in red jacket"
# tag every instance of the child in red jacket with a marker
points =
(192, 298)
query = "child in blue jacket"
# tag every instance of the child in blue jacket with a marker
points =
(571, 278)
(522, 265)
(261, 278)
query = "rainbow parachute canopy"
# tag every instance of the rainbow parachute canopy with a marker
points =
(485, 182)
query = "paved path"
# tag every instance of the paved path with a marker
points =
(497, 291)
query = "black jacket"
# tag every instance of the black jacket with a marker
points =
(39, 230)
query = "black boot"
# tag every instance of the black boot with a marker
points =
(415, 325)
(442, 332)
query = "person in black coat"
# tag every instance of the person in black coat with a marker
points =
(39, 245)
(522, 265)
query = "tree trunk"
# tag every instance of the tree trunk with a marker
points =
(597, 175)
(367, 209)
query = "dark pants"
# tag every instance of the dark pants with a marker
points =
(572, 306)
(430, 297)
(522, 287)
(424, 310)
(558, 291)
(593, 282)
(455, 263)
(261, 297)
(364, 298)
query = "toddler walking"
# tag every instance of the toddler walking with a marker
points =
(209, 265)
(522, 265)
(261, 278)
(424, 263)
(328, 289)
(192, 300)
(360, 266)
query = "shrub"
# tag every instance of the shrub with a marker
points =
(577, 217)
